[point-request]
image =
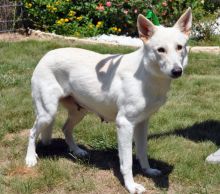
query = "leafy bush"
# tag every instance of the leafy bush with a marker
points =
(205, 14)
(83, 18)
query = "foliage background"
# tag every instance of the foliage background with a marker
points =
(89, 18)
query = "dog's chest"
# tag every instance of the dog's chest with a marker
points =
(155, 97)
(140, 101)
(153, 104)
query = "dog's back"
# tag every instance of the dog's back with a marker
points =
(85, 75)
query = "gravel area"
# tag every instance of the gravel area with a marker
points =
(129, 41)
(121, 40)
(12, 37)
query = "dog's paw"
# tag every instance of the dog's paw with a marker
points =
(214, 158)
(31, 160)
(135, 188)
(152, 172)
(79, 153)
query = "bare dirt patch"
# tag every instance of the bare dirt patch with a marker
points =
(11, 136)
(106, 182)
(23, 171)
(12, 37)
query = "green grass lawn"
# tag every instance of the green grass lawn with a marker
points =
(212, 41)
(182, 133)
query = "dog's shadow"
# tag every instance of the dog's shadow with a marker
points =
(108, 159)
(103, 159)
(205, 131)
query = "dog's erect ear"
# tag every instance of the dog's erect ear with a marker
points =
(185, 22)
(145, 28)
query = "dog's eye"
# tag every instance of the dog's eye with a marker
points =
(179, 47)
(161, 50)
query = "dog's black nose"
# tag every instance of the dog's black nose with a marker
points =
(176, 72)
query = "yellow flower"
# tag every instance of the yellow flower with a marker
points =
(51, 8)
(79, 18)
(71, 13)
(58, 22)
(90, 25)
(62, 21)
(99, 24)
(57, 2)
(28, 5)
(119, 29)
(115, 29)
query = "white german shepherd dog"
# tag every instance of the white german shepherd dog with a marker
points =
(126, 89)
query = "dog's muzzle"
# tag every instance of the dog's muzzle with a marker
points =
(176, 72)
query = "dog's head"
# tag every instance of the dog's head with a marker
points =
(165, 47)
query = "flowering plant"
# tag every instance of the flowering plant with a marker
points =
(204, 14)
(83, 18)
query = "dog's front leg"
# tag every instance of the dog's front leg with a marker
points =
(140, 138)
(125, 131)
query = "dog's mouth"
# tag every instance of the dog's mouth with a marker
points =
(175, 76)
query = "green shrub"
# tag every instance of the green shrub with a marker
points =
(83, 18)
(205, 14)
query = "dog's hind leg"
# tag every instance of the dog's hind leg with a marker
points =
(31, 156)
(46, 103)
(46, 134)
(75, 115)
